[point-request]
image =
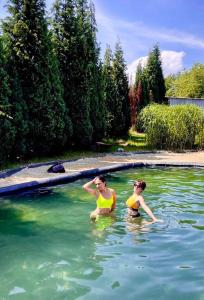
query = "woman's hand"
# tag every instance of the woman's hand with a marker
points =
(158, 220)
(94, 180)
(87, 187)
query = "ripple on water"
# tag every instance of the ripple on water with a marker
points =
(49, 249)
(17, 290)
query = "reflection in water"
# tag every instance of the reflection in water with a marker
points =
(199, 227)
(138, 225)
(102, 222)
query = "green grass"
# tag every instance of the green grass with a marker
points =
(133, 142)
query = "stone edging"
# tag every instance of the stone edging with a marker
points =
(14, 189)
(7, 173)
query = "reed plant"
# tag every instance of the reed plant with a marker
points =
(174, 128)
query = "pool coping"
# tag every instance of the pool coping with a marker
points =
(10, 172)
(31, 185)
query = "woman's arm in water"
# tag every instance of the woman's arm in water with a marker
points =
(147, 209)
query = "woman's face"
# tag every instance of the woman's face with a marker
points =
(137, 187)
(100, 185)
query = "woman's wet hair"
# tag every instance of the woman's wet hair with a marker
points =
(102, 178)
(141, 183)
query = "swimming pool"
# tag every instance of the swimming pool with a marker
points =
(49, 249)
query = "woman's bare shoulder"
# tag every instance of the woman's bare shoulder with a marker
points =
(140, 198)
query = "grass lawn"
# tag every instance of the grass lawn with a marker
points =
(133, 142)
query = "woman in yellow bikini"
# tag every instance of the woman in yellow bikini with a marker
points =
(136, 201)
(106, 197)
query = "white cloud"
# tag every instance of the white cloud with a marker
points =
(113, 27)
(137, 38)
(172, 62)
(131, 68)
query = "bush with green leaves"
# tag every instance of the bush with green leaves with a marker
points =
(173, 127)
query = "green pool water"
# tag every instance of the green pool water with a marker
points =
(49, 248)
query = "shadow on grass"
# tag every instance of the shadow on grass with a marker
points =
(138, 139)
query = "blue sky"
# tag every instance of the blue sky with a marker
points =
(176, 25)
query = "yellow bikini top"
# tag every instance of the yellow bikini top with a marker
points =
(132, 202)
(102, 202)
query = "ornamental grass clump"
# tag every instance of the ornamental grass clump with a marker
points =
(173, 127)
(152, 119)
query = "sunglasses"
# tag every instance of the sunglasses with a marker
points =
(137, 185)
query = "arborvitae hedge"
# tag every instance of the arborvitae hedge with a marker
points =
(33, 70)
(97, 103)
(154, 76)
(60, 93)
(7, 130)
(120, 102)
(73, 46)
(108, 91)
(141, 88)
(12, 45)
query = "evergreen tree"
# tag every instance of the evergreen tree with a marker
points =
(138, 75)
(133, 104)
(83, 127)
(141, 88)
(97, 104)
(97, 108)
(35, 66)
(70, 28)
(156, 83)
(7, 131)
(108, 90)
(120, 103)
(12, 42)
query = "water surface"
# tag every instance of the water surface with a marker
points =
(49, 248)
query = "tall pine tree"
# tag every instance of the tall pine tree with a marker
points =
(35, 66)
(97, 104)
(120, 103)
(7, 131)
(12, 43)
(156, 83)
(70, 29)
(141, 87)
(133, 104)
(108, 90)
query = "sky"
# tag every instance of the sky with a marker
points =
(175, 25)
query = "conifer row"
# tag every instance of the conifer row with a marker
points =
(55, 91)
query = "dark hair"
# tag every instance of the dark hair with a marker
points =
(102, 178)
(141, 183)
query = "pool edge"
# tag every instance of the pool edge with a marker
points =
(20, 187)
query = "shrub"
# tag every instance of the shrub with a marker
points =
(173, 127)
